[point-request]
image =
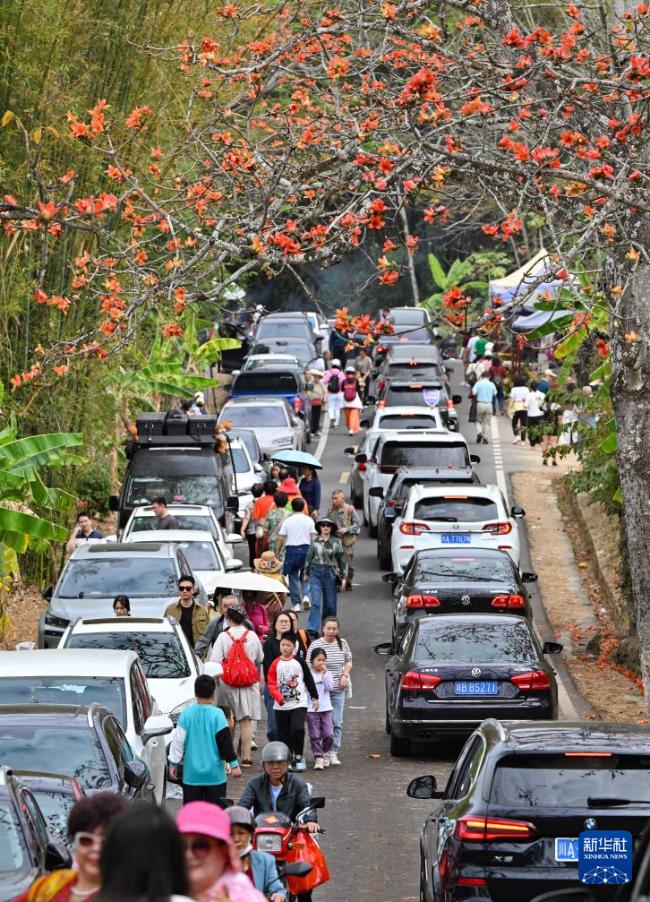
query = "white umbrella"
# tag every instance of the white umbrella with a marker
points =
(251, 582)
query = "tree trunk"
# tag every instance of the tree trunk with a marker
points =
(631, 398)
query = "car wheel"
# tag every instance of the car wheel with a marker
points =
(372, 531)
(399, 748)
(365, 519)
(387, 726)
(385, 558)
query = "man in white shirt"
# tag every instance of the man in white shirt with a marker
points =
(295, 537)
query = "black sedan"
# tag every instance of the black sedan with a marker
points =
(481, 581)
(507, 824)
(451, 672)
(56, 796)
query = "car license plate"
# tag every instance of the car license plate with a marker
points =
(456, 538)
(566, 848)
(476, 687)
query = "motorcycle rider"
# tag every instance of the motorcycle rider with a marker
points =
(260, 867)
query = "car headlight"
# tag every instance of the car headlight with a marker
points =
(283, 441)
(176, 712)
(268, 842)
(58, 622)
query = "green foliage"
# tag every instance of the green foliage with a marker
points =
(91, 483)
(471, 275)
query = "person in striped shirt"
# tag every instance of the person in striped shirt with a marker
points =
(339, 665)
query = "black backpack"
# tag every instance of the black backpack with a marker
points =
(334, 384)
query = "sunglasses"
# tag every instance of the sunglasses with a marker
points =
(200, 847)
(87, 840)
(186, 588)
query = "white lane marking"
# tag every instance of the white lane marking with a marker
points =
(498, 459)
(320, 447)
(343, 478)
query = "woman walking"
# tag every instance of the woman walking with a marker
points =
(339, 666)
(326, 561)
(518, 407)
(535, 413)
(239, 687)
(310, 489)
(352, 403)
(271, 650)
(316, 395)
(497, 373)
(333, 379)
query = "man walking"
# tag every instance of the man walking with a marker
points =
(202, 743)
(192, 617)
(349, 527)
(294, 537)
(484, 391)
(164, 519)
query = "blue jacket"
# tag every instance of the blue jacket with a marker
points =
(265, 874)
(310, 489)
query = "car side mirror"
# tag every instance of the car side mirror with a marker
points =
(364, 423)
(47, 593)
(389, 577)
(552, 648)
(390, 513)
(529, 577)
(233, 564)
(349, 450)
(385, 649)
(156, 725)
(232, 504)
(136, 773)
(258, 468)
(424, 788)
(113, 502)
(475, 458)
(376, 491)
(457, 399)
(235, 373)
(57, 856)
(233, 538)
(517, 512)
(361, 458)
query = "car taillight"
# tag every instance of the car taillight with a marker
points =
(508, 601)
(414, 680)
(381, 349)
(533, 679)
(381, 385)
(362, 467)
(471, 881)
(450, 404)
(485, 829)
(422, 601)
(297, 405)
(393, 504)
(498, 529)
(413, 528)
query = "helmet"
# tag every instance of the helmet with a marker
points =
(336, 362)
(240, 817)
(275, 751)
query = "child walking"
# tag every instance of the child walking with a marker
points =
(320, 723)
(290, 682)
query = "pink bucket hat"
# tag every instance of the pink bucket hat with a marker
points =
(208, 820)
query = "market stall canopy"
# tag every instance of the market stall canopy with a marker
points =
(504, 292)
(539, 318)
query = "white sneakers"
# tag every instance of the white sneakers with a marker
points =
(334, 759)
(318, 764)
(326, 759)
(306, 603)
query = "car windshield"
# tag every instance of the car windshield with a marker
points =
(424, 454)
(284, 328)
(475, 643)
(185, 521)
(248, 439)
(186, 489)
(137, 577)
(462, 569)
(413, 395)
(65, 690)
(240, 459)
(56, 807)
(201, 555)
(258, 415)
(69, 750)
(303, 351)
(563, 781)
(407, 317)
(161, 654)
(456, 509)
(12, 844)
(266, 381)
(410, 421)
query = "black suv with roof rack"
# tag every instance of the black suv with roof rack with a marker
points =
(420, 389)
(518, 797)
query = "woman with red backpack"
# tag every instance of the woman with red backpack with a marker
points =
(352, 403)
(239, 652)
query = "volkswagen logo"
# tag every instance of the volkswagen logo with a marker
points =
(591, 823)
(465, 599)
(476, 671)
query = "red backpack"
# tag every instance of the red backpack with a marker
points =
(239, 671)
(350, 389)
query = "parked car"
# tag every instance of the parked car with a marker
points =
(167, 659)
(286, 325)
(276, 382)
(306, 352)
(143, 521)
(27, 851)
(276, 426)
(403, 360)
(392, 499)
(114, 679)
(55, 796)
(506, 825)
(471, 516)
(247, 474)
(409, 316)
(447, 581)
(420, 390)
(405, 417)
(438, 450)
(81, 741)
(248, 437)
(403, 333)
(260, 361)
(451, 672)
(93, 575)
(200, 549)
(175, 457)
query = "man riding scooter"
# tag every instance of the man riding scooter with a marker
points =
(279, 790)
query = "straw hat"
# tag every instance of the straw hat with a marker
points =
(267, 563)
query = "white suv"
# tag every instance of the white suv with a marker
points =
(438, 449)
(445, 516)
(167, 658)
